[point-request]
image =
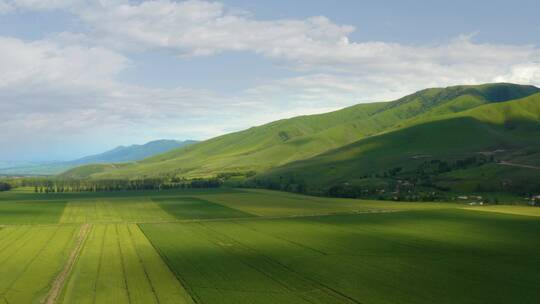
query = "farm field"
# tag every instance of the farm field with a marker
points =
(258, 246)
(402, 257)
(273, 203)
(30, 258)
(118, 265)
(103, 210)
(195, 208)
(31, 212)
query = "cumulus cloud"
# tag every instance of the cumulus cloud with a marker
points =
(310, 45)
(204, 28)
(198, 28)
(53, 90)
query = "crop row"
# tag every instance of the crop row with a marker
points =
(30, 258)
(118, 265)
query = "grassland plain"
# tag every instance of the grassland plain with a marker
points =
(426, 256)
(30, 258)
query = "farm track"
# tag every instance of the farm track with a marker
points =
(60, 280)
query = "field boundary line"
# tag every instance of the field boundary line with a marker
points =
(144, 267)
(122, 262)
(317, 285)
(60, 280)
(223, 219)
(273, 217)
(189, 290)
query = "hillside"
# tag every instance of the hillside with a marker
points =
(487, 148)
(282, 142)
(117, 155)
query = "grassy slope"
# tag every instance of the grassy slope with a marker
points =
(513, 126)
(281, 142)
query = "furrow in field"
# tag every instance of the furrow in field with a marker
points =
(34, 254)
(5, 234)
(168, 287)
(110, 281)
(281, 273)
(12, 250)
(218, 270)
(118, 265)
(27, 273)
(139, 288)
(60, 280)
(13, 237)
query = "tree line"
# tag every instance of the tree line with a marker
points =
(51, 185)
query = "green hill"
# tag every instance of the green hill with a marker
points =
(286, 141)
(488, 148)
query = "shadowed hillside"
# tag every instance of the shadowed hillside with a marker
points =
(491, 147)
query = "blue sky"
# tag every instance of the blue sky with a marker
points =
(79, 77)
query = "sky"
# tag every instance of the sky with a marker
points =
(80, 77)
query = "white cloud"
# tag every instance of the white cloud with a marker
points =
(313, 45)
(44, 65)
(203, 28)
(522, 73)
(40, 4)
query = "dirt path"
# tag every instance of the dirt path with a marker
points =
(60, 280)
(504, 163)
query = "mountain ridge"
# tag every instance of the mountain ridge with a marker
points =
(118, 154)
(275, 144)
(510, 128)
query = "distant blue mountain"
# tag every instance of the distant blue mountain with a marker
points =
(132, 153)
(117, 155)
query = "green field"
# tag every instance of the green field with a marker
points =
(103, 210)
(402, 257)
(195, 208)
(30, 257)
(118, 265)
(258, 246)
(31, 212)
